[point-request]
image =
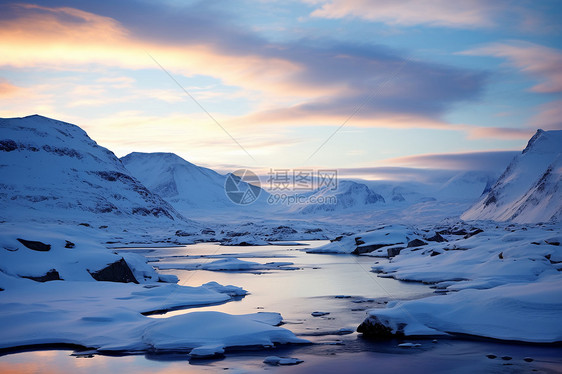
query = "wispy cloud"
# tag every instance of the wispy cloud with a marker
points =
(543, 63)
(483, 161)
(8, 89)
(476, 132)
(301, 80)
(442, 13)
(549, 116)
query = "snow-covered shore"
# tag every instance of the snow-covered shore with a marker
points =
(500, 281)
(61, 286)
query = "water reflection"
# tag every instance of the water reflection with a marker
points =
(341, 285)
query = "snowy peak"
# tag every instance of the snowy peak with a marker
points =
(530, 189)
(52, 169)
(348, 195)
(184, 185)
(172, 177)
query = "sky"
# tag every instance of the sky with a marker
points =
(361, 85)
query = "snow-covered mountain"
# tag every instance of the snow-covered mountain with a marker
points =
(52, 171)
(187, 187)
(349, 195)
(530, 189)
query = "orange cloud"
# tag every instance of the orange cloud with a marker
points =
(8, 89)
(63, 38)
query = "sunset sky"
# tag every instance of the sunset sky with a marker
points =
(407, 81)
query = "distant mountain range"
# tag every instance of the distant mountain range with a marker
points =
(53, 170)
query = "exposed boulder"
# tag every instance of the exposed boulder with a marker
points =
(416, 243)
(374, 328)
(370, 248)
(436, 238)
(473, 232)
(51, 275)
(394, 251)
(35, 245)
(118, 271)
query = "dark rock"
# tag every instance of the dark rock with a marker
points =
(69, 244)
(312, 231)
(183, 233)
(34, 245)
(118, 271)
(459, 232)
(491, 199)
(51, 275)
(506, 358)
(416, 243)
(84, 224)
(491, 356)
(8, 145)
(207, 232)
(394, 251)
(337, 238)
(528, 359)
(235, 234)
(436, 238)
(552, 242)
(370, 248)
(103, 227)
(501, 255)
(472, 233)
(284, 230)
(435, 253)
(156, 212)
(373, 328)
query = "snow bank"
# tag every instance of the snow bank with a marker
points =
(376, 241)
(527, 312)
(107, 316)
(214, 330)
(227, 264)
(49, 294)
(506, 280)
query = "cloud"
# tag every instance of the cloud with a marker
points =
(475, 132)
(470, 161)
(465, 14)
(396, 174)
(549, 116)
(8, 89)
(543, 63)
(305, 80)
